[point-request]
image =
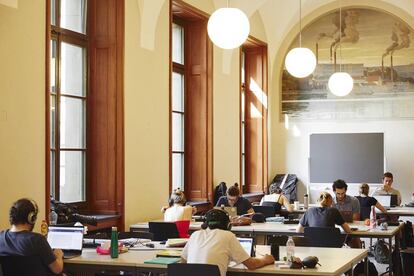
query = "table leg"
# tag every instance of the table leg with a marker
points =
(390, 256)
(366, 267)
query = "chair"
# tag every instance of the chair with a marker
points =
(323, 237)
(163, 230)
(135, 235)
(193, 269)
(183, 226)
(267, 211)
(23, 265)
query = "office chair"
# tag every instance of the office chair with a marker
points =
(135, 235)
(23, 265)
(163, 230)
(323, 237)
(267, 211)
(193, 269)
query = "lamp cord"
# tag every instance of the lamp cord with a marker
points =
(300, 23)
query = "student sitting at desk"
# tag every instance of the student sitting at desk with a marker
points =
(366, 201)
(323, 216)
(215, 244)
(386, 189)
(21, 241)
(233, 199)
(275, 195)
(347, 205)
(178, 211)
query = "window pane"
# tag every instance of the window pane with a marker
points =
(243, 175)
(72, 123)
(178, 92)
(52, 121)
(178, 132)
(53, 55)
(243, 134)
(53, 12)
(178, 171)
(72, 176)
(52, 173)
(73, 70)
(73, 15)
(178, 44)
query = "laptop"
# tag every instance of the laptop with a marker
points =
(69, 239)
(232, 211)
(386, 200)
(247, 244)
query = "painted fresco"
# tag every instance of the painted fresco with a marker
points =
(377, 51)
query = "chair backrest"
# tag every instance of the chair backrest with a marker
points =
(267, 211)
(407, 259)
(276, 206)
(23, 265)
(193, 269)
(136, 235)
(183, 226)
(323, 236)
(163, 230)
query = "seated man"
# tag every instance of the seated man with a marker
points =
(386, 188)
(233, 199)
(216, 245)
(347, 205)
(19, 240)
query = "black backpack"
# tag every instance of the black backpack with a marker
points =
(381, 252)
(219, 191)
(288, 184)
(408, 240)
(360, 271)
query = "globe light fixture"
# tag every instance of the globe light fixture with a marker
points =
(228, 28)
(340, 84)
(300, 62)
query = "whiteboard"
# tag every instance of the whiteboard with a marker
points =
(353, 157)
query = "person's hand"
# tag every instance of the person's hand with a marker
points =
(194, 210)
(164, 208)
(268, 259)
(58, 253)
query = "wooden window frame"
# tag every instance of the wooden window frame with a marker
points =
(190, 17)
(252, 47)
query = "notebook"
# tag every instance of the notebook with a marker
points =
(232, 211)
(69, 239)
(163, 260)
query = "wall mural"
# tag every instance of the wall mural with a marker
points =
(377, 51)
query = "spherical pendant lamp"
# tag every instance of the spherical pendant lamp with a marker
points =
(300, 62)
(228, 28)
(340, 84)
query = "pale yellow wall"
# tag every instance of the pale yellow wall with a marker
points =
(22, 105)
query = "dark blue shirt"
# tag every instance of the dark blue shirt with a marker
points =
(26, 243)
(321, 217)
(366, 202)
(242, 204)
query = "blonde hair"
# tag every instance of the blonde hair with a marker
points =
(324, 198)
(178, 197)
(364, 189)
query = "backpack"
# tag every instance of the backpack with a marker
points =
(288, 184)
(219, 191)
(381, 252)
(359, 269)
(408, 240)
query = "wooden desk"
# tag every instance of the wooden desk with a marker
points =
(335, 261)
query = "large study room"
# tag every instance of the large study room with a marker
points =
(227, 134)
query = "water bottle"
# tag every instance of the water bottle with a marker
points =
(114, 243)
(373, 218)
(290, 249)
(306, 201)
(53, 216)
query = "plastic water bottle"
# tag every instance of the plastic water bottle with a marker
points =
(306, 201)
(53, 216)
(290, 249)
(114, 243)
(373, 218)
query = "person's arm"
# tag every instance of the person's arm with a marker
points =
(57, 266)
(300, 228)
(356, 215)
(379, 206)
(164, 208)
(286, 203)
(346, 227)
(254, 262)
(250, 211)
(398, 198)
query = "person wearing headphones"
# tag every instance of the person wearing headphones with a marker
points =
(216, 245)
(19, 240)
(178, 211)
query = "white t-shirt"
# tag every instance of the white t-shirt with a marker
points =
(178, 212)
(216, 246)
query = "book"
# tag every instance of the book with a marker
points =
(169, 253)
(163, 260)
(179, 242)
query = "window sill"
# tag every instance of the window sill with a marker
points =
(253, 197)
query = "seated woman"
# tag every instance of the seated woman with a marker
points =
(275, 195)
(366, 201)
(323, 216)
(178, 211)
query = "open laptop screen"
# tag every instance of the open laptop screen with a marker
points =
(65, 238)
(247, 244)
(384, 200)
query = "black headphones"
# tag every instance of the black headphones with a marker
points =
(216, 218)
(32, 216)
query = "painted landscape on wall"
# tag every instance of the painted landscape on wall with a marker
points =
(377, 51)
